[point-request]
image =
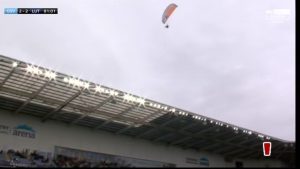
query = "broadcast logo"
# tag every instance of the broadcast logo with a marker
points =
(267, 148)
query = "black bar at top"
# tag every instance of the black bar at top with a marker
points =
(37, 11)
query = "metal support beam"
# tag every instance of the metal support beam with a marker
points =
(186, 138)
(240, 143)
(150, 115)
(151, 130)
(221, 135)
(27, 94)
(162, 137)
(93, 110)
(210, 146)
(207, 130)
(32, 97)
(248, 154)
(180, 140)
(275, 147)
(192, 144)
(221, 150)
(254, 145)
(116, 115)
(145, 133)
(235, 137)
(59, 108)
(233, 152)
(247, 141)
(139, 121)
(207, 147)
(7, 77)
(182, 129)
(198, 136)
(280, 152)
(228, 140)
(188, 126)
(123, 130)
(70, 104)
(201, 132)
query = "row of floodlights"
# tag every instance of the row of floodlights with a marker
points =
(75, 82)
(36, 71)
(219, 123)
(98, 89)
(262, 137)
(162, 107)
(247, 132)
(199, 118)
(286, 145)
(183, 113)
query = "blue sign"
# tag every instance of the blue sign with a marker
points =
(21, 130)
(24, 127)
(204, 161)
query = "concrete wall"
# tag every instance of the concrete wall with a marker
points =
(53, 133)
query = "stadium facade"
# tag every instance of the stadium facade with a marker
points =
(68, 121)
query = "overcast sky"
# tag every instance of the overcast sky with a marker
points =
(224, 59)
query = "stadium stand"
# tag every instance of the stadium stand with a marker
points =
(57, 103)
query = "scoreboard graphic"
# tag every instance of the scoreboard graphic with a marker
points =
(30, 10)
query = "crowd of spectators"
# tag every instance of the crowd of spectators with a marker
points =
(25, 158)
(35, 159)
(64, 161)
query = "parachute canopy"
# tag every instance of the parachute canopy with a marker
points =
(168, 12)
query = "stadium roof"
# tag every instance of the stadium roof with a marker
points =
(38, 91)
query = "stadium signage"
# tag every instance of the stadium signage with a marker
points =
(21, 130)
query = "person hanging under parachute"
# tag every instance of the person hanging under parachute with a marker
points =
(167, 13)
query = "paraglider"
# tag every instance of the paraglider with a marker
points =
(167, 13)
